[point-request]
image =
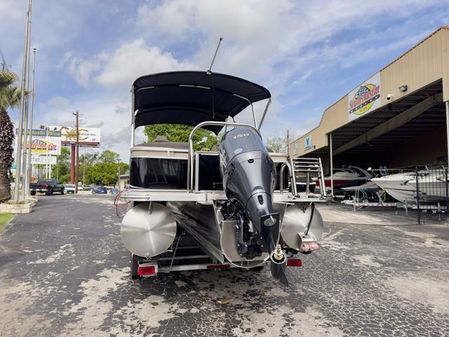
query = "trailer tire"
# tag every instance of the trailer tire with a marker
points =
(134, 266)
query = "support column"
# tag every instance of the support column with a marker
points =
(72, 162)
(331, 164)
(447, 130)
(77, 115)
(447, 168)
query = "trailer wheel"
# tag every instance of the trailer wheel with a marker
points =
(134, 266)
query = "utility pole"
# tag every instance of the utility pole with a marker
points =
(84, 166)
(18, 196)
(77, 144)
(28, 167)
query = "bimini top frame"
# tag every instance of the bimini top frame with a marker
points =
(193, 97)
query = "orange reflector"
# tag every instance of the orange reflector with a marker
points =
(218, 266)
(294, 263)
(143, 271)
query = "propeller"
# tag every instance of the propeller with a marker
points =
(278, 265)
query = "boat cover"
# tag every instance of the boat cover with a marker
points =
(192, 97)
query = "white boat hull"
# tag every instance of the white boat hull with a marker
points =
(402, 187)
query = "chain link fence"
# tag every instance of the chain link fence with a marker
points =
(431, 192)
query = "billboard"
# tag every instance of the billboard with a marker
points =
(38, 160)
(42, 145)
(87, 136)
(45, 132)
(365, 98)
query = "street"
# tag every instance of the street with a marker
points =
(65, 272)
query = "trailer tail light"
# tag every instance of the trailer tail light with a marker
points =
(294, 263)
(218, 266)
(146, 270)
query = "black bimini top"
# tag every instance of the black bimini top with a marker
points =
(192, 97)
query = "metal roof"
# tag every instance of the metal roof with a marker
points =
(431, 119)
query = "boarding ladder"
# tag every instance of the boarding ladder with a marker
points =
(306, 172)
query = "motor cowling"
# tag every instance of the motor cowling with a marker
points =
(248, 178)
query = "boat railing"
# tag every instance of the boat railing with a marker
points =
(290, 176)
(311, 169)
(190, 159)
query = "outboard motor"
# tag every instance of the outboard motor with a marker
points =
(248, 179)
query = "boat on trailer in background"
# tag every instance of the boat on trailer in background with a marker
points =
(237, 206)
(432, 185)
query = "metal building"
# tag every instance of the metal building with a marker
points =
(396, 118)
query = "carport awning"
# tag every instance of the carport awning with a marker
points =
(416, 114)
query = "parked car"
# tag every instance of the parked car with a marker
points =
(99, 190)
(47, 186)
(69, 188)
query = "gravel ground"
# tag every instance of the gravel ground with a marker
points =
(64, 272)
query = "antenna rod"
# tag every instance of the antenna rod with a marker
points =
(213, 59)
(3, 61)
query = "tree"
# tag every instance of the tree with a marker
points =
(108, 156)
(62, 169)
(277, 144)
(9, 97)
(104, 168)
(202, 139)
(102, 174)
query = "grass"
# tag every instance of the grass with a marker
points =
(4, 218)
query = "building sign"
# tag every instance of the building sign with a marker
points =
(44, 133)
(308, 142)
(46, 145)
(365, 98)
(39, 160)
(87, 136)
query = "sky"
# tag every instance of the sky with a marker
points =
(307, 53)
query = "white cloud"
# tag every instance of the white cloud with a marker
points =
(259, 30)
(119, 68)
(135, 59)
(272, 42)
(82, 70)
(110, 113)
(281, 44)
(276, 43)
(12, 11)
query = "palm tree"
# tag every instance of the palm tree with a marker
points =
(9, 97)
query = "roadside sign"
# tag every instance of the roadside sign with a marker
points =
(45, 133)
(45, 160)
(88, 137)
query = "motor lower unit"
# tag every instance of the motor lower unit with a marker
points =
(302, 227)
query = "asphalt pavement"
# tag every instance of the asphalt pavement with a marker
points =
(65, 272)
